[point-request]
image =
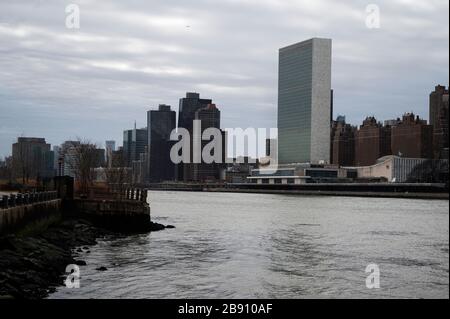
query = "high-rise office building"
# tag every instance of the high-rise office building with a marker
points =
(304, 102)
(110, 148)
(160, 123)
(200, 172)
(439, 118)
(56, 159)
(188, 106)
(32, 159)
(134, 143)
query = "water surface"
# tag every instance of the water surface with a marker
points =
(275, 246)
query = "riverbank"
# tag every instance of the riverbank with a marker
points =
(31, 267)
(406, 195)
(376, 190)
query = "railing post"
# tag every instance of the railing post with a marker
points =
(12, 200)
(5, 203)
(26, 198)
(144, 195)
(19, 199)
(138, 194)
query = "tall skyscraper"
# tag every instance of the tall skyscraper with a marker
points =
(439, 118)
(32, 159)
(134, 144)
(189, 105)
(304, 102)
(210, 118)
(160, 124)
(110, 147)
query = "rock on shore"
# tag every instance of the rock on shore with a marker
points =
(31, 267)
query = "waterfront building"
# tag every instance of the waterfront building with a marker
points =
(342, 143)
(32, 159)
(202, 172)
(240, 168)
(188, 106)
(372, 141)
(160, 124)
(412, 137)
(304, 102)
(298, 174)
(395, 169)
(439, 118)
(135, 142)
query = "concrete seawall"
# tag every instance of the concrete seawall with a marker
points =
(123, 215)
(387, 190)
(18, 217)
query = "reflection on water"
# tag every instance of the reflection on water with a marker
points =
(274, 246)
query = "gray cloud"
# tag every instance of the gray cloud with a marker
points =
(128, 57)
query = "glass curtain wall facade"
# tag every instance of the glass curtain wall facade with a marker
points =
(304, 102)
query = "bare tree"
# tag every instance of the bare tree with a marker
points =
(83, 157)
(118, 175)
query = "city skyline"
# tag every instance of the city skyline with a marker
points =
(76, 77)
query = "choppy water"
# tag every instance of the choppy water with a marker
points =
(275, 246)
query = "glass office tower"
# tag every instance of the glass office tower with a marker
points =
(304, 102)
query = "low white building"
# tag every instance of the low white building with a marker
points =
(397, 169)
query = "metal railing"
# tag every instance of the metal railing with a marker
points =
(14, 200)
(138, 194)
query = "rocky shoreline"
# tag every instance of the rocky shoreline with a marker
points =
(32, 267)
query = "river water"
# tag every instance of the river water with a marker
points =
(275, 246)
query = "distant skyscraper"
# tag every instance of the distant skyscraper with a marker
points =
(439, 118)
(110, 147)
(189, 105)
(56, 157)
(134, 143)
(32, 159)
(304, 102)
(160, 124)
(210, 118)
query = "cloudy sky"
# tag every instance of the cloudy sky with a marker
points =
(129, 56)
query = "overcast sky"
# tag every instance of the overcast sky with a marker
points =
(129, 56)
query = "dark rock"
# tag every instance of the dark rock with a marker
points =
(170, 226)
(31, 267)
(156, 227)
(80, 262)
